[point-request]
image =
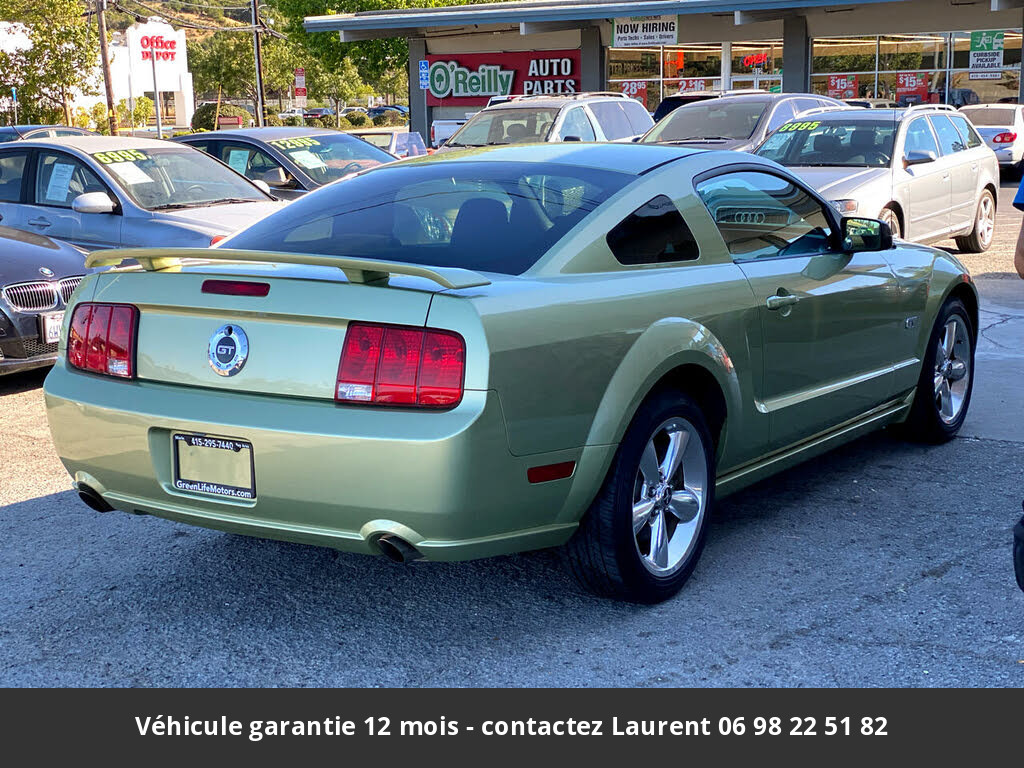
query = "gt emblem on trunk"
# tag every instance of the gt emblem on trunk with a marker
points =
(229, 349)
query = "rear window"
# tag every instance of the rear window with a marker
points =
(488, 216)
(715, 119)
(994, 116)
(640, 120)
(505, 126)
(612, 119)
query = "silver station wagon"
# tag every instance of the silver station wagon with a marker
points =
(924, 171)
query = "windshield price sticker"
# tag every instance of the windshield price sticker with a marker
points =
(297, 143)
(800, 126)
(119, 156)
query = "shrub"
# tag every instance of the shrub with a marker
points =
(358, 119)
(293, 121)
(342, 124)
(271, 119)
(182, 133)
(203, 116)
(394, 118)
(380, 120)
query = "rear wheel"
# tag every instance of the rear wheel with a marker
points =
(984, 226)
(947, 378)
(890, 217)
(641, 538)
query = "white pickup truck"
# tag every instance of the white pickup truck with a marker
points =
(442, 130)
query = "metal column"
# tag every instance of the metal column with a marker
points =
(796, 55)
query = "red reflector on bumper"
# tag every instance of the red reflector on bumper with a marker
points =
(550, 472)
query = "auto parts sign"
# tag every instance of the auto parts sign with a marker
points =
(471, 79)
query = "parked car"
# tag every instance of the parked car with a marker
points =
(318, 112)
(292, 112)
(398, 143)
(349, 110)
(443, 129)
(37, 277)
(870, 103)
(18, 132)
(530, 346)
(385, 108)
(1002, 128)
(677, 100)
(924, 171)
(108, 192)
(291, 161)
(739, 121)
(573, 117)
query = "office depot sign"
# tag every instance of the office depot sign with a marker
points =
(471, 79)
(157, 42)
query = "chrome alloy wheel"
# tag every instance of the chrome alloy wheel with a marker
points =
(952, 369)
(669, 496)
(986, 223)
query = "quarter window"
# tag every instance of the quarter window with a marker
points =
(12, 168)
(970, 136)
(612, 119)
(654, 233)
(920, 137)
(61, 178)
(577, 123)
(763, 216)
(783, 113)
(949, 137)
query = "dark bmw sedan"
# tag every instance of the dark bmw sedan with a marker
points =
(37, 277)
(292, 161)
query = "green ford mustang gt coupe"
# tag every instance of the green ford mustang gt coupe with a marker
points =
(497, 350)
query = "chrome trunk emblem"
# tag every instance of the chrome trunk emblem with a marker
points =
(229, 349)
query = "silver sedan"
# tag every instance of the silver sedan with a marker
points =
(925, 171)
(106, 192)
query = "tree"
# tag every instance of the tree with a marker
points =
(339, 85)
(143, 111)
(60, 61)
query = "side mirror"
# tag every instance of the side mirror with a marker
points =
(276, 177)
(861, 235)
(918, 157)
(93, 202)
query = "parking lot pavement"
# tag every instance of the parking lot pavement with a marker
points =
(883, 563)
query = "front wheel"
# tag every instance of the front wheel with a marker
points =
(641, 538)
(890, 217)
(947, 377)
(984, 230)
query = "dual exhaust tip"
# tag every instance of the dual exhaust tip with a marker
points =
(394, 548)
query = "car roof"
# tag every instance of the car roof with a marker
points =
(626, 157)
(263, 134)
(553, 101)
(874, 115)
(90, 144)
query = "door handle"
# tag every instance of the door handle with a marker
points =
(39, 222)
(778, 302)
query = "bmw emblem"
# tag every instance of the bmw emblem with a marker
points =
(229, 349)
(46, 272)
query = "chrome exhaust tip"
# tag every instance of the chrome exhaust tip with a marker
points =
(92, 499)
(397, 549)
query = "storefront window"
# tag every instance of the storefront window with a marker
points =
(911, 52)
(761, 57)
(651, 74)
(845, 54)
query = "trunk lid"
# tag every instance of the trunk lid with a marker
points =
(294, 334)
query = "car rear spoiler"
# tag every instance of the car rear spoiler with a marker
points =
(356, 270)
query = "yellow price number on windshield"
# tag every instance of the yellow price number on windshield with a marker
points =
(297, 143)
(119, 156)
(800, 126)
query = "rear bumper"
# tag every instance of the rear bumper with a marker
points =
(1008, 156)
(325, 475)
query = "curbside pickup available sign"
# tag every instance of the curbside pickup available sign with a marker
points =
(642, 31)
(471, 79)
(986, 61)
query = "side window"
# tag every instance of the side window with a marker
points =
(967, 132)
(577, 123)
(247, 160)
(12, 169)
(612, 119)
(949, 137)
(61, 178)
(640, 120)
(655, 233)
(762, 216)
(802, 105)
(920, 137)
(202, 146)
(783, 113)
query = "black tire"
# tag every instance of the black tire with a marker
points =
(980, 239)
(604, 555)
(1018, 552)
(890, 217)
(925, 422)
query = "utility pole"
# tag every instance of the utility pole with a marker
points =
(101, 8)
(258, 52)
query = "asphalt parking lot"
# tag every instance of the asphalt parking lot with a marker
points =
(881, 564)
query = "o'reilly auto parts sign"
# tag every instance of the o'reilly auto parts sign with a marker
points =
(471, 79)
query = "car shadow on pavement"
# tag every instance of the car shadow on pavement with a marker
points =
(16, 383)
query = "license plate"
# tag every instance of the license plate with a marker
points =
(51, 323)
(216, 466)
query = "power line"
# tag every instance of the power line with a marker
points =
(178, 20)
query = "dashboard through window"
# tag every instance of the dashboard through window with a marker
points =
(763, 216)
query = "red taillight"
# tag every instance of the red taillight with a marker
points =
(235, 288)
(102, 339)
(217, 238)
(1007, 137)
(432, 134)
(401, 366)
